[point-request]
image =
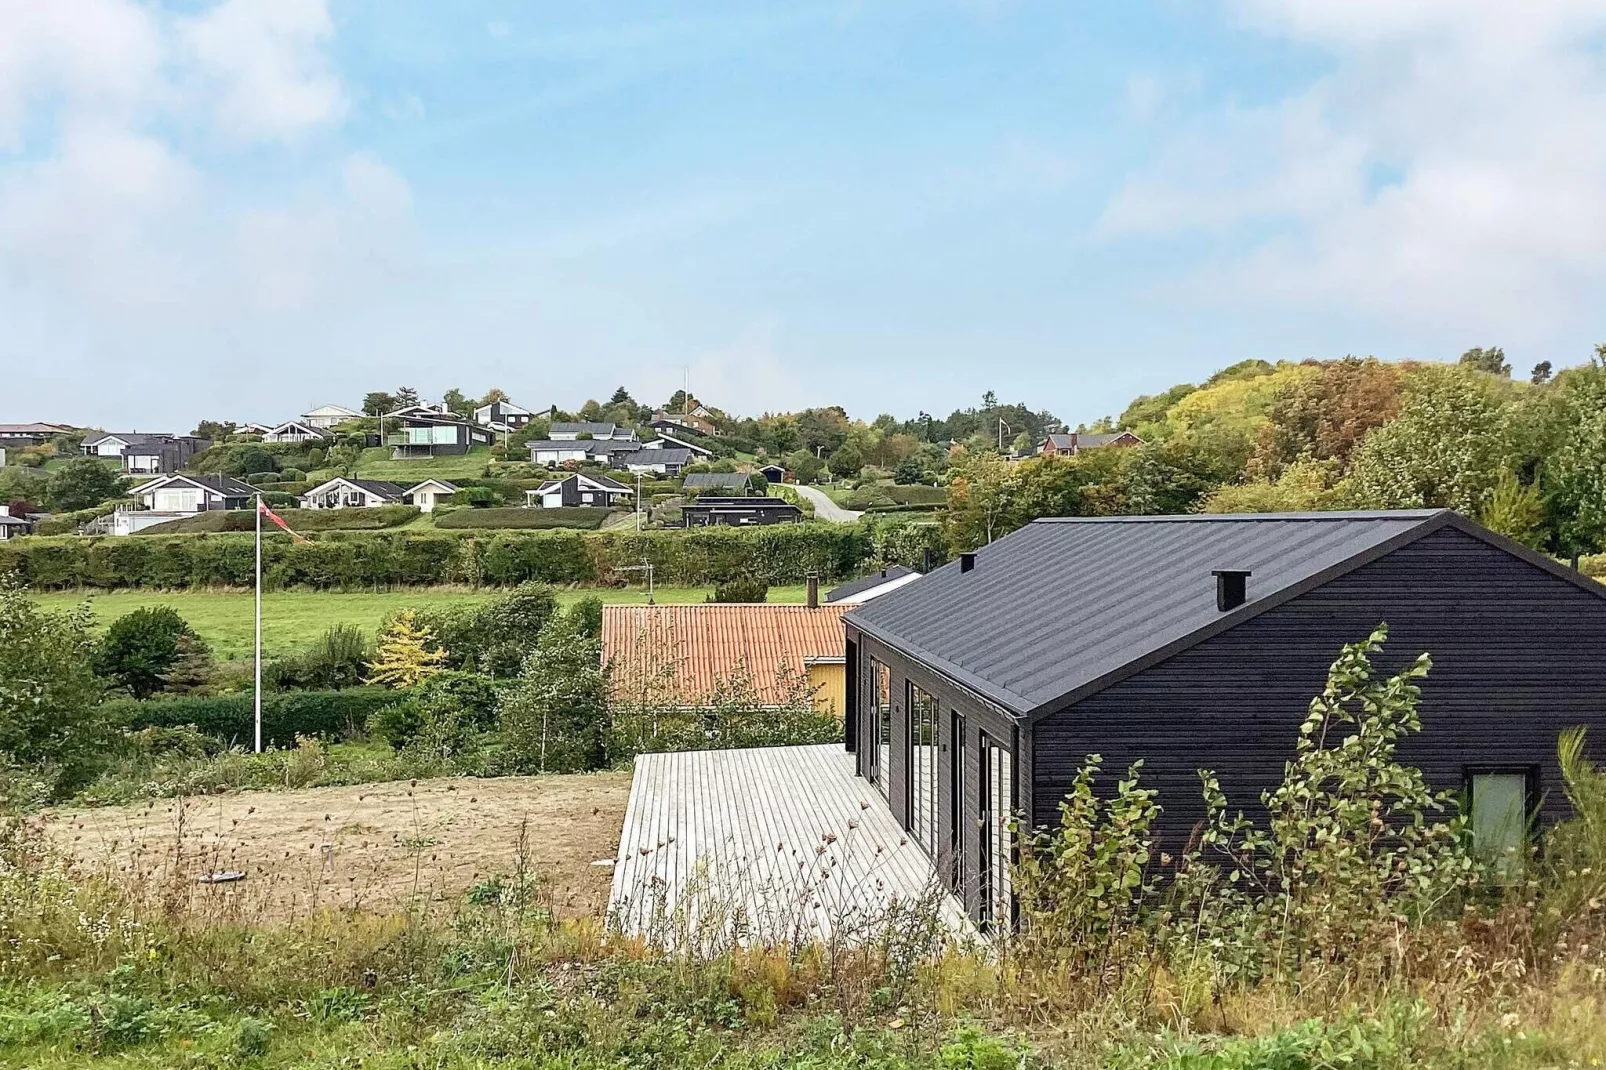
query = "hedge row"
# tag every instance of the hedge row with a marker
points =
(511, 518)
(780, 554)
(328, 715)
(301, 520)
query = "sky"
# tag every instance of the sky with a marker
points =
(242, 209)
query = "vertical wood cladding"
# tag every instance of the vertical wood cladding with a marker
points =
(1517, 657)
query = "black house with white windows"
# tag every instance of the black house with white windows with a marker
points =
(1198, 642)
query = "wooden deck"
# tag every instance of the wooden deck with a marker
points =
(766, 844)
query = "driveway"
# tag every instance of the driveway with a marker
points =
(825, 508)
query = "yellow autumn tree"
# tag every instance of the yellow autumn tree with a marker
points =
(407, 654)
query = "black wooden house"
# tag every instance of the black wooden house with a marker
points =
(1199, 641)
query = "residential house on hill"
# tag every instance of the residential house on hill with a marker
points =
(603, 452)
(1199, 641)
(295, 431)
(344, 493)
(502, 416)
(714, 511)
(22, 436)
(682, 655)
(880, 582)
(12, 526)
(578, 489)
(572, 431)
(669, 442)
(173, 497)
(435, 436)
(144, 453)
(430, 493)
(663, 462)
(329, 415)
(683, 423)
(1070, 443)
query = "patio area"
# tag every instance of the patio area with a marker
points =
(770, 843)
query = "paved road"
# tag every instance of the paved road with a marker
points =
(825, 508)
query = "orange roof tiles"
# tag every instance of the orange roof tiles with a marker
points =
(698, 646)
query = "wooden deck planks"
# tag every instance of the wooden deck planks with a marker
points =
(785, 841)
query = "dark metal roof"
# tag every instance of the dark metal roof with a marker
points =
(1066, 606)
(705, 480)
(865, 583)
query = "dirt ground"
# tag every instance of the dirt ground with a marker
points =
(375, 847)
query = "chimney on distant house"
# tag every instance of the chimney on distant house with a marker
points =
(967, 561)
(1232, 587)
(814, 590)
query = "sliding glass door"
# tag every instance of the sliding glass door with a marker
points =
(880, 727)
(996, 840)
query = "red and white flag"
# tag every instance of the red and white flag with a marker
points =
(262, 507)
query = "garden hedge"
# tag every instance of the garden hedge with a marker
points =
(367, 560)
(328, 715)
(580, 518)
(301, 520)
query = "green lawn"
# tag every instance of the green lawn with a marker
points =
(293, 619)
(376, 464)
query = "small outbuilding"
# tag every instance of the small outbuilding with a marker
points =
(1189, 642)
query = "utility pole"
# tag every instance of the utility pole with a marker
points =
(638, 503)
(1002, 427)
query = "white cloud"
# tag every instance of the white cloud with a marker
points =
(1448, 167)
(97, 54)
(264, 66)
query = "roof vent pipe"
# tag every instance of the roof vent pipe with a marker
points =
(1231, 587)
(967, 561)
(814, 590)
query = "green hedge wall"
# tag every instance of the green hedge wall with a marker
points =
(355, 560)
(301, 520)
(328, 715)
(512, 518)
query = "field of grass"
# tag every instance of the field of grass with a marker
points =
(376, 464)
(293, 619)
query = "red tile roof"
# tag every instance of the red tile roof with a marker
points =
(698, 646)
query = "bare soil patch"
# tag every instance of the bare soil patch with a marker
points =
(374, 847)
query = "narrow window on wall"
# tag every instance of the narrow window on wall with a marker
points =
(881, 727)
(923, 792)
(1500, 820)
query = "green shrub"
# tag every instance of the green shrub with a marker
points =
(335, 661)
(256, 479)
(741, 589)
(496, 637)
(51, 716)
(442, 716)
(292, 475)
(330, 715)
(554, 718)
(305, 520)
(140, 648)
(509, 518)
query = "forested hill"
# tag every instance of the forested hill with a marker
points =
(1525, 456)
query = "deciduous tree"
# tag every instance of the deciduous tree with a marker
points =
(407, 655)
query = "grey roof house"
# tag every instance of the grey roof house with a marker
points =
(343, 493)
(975, 693)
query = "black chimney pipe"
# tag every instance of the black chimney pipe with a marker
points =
(967, 561)
(814, 590)
(1232, 586)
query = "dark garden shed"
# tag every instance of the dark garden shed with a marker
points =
(1199, 641)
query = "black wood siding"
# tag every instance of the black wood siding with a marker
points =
(1518, 655)
(979, 717)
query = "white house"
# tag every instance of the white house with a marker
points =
(174, 497)
(295, 431)
(430, 493)
(12, 526)
(577, 490)
(343, 493)
(329, 416)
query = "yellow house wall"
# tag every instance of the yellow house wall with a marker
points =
(829, 684)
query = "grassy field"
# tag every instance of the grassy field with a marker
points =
(377, 464)
(293, 619)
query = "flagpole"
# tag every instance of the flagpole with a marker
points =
(258, 689)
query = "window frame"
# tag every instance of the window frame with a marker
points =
(1531, 797)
